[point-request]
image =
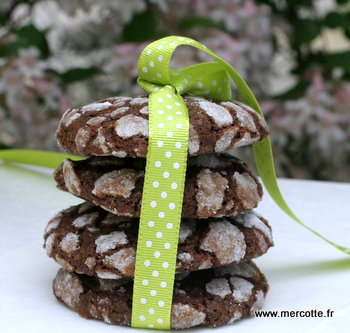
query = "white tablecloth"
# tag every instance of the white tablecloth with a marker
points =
(304, 272)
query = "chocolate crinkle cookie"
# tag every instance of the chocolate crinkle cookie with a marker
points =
(88, 240)
(211, 297)
(215, 186)
(96, 242)
(119, 126)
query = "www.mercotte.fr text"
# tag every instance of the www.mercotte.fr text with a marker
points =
(295, 314)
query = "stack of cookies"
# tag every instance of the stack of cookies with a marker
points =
(95, 242)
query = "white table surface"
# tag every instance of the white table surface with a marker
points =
(304, 272)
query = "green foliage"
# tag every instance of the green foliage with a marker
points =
(201, 22)
(341, 60)
(303, 31)
(141, 28)
(25, 37)
(78, 74)
(335, 20)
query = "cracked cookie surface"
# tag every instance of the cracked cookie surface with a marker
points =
(211, 297)
(215, 186)
(119, 126)
(88, 240)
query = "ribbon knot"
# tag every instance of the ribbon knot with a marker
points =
(209, 80)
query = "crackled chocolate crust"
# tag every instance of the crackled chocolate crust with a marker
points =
(211, 297)
(215, 186)
(119, 126)
(88, 240)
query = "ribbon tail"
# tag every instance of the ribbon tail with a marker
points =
(35, 157)
(264, 162)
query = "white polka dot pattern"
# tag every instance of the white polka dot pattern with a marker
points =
(161, 209)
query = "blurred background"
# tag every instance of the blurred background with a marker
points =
(295, 56)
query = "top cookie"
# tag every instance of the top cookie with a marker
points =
(119, 126)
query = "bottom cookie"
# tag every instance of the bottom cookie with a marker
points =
(210, 297)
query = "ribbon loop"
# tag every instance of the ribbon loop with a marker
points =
(208, 79)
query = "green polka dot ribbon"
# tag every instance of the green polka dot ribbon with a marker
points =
(166, 168)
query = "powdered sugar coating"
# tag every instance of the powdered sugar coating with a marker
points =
(242, 289)
(186, 229)
(247, 189)
(49, 242)
(139, 101)
(110, 241)
(246, 118)
(237, 315)
(120, 100)
(221, 116)
(119, 112)
(205, 265)
(90, 262)
(245, 140)
(251, 219)
(81, 139)
(100, 141)
(71, 119)
(185, 316)
(225, 141)
(85, 207)
(68, 288)
(193, 142)
(144, 110)
(107, 275)
(219, 286)
(242, 115)
(98, 106)
(64, 263)
(211, 191)
(185, 256)
(116, 183)
(120, 221)
(53, 224)
(85, 220)
(70, 177)
(123, 260)
(225, 241)
(96, 121)
(70, 242)
(260, 297)
(130, 125)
